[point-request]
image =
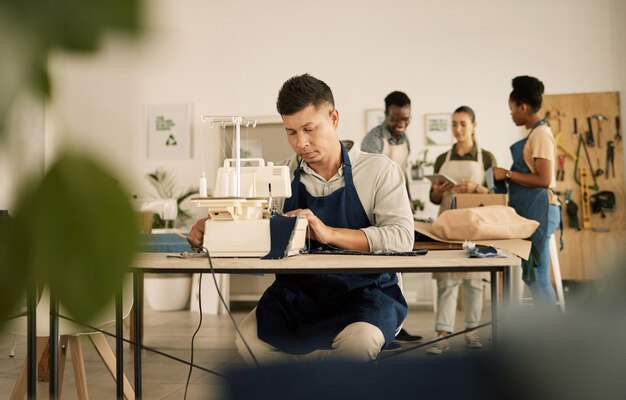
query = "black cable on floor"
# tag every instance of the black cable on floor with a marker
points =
(219, 293)
(193, 337)
(428, 343)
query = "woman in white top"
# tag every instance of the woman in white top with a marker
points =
(466, 163)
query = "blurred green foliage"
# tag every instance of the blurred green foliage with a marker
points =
(31, 29)
(13, 273)
(75, 228)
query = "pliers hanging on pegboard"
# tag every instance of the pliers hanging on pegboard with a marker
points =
(560, 172)
(610, 158)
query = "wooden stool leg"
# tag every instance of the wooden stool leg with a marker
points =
(107, 356)
(78, 364)
(556, 270)
(19, 390)
(43, 367)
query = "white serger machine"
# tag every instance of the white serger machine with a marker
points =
(245, 191)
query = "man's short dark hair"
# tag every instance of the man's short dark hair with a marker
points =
(396, 98)
(301, 91)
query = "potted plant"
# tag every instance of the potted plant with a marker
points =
(418, 205)
(417, 167)
(165, 186)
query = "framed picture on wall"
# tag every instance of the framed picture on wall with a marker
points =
(373, 118)
(169, 131)
(438, 129)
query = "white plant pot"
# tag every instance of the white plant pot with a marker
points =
(167, 292)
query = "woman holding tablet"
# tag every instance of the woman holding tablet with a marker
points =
(465, 163)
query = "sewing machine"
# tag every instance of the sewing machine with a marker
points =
(245, 189)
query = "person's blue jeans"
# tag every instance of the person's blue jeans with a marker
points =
(541, 288)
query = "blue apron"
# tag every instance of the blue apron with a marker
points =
(300, 313)
(531, 203)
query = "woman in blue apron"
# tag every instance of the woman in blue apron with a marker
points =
(529, 182)
(301, 313)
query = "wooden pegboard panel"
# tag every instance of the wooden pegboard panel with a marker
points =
(586, 251)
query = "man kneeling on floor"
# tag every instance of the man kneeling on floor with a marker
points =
(351, 200)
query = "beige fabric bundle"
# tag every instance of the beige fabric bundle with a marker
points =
(483, 223)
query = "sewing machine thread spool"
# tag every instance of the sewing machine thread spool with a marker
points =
(202, 186)
(224, 183)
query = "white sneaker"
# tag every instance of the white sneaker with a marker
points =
(472, 340)
(439, 347)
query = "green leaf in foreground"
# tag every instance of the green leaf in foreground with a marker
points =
(82, 233)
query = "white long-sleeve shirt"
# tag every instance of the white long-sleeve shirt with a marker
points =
(380, 185)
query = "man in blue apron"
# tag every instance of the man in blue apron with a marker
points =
(351, 200)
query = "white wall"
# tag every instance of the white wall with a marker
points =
(230, 57)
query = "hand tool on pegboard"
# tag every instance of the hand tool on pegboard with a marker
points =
(572, 210)
(600, 118)
(583, 144)
(575, 133)
(618, 134)
(560, 172)
(590, 140)
(603, 201)
(558, 139)
(558, 136)
(554, 115)
(599, 171)
(584, 199)
(610, 158)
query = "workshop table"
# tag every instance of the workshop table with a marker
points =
(434, 261)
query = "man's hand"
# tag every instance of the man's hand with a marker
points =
(317, 231)
(196, 234)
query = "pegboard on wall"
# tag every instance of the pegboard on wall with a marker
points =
(586, 250)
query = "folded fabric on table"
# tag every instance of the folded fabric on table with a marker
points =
(163, 243)
(483, 223)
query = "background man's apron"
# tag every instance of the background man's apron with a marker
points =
(399, 153)
(301, 313)
(531, 203)
(461, 169)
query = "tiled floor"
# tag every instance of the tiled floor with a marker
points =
(171, 332)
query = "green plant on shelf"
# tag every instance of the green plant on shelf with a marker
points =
(418, 204)
(417, 167)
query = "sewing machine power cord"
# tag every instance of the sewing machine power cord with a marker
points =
(219, 294)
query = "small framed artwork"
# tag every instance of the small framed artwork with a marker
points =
(169, 131)
(373, 118)
(438, 129)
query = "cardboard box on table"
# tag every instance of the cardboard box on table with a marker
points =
(467, 200)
